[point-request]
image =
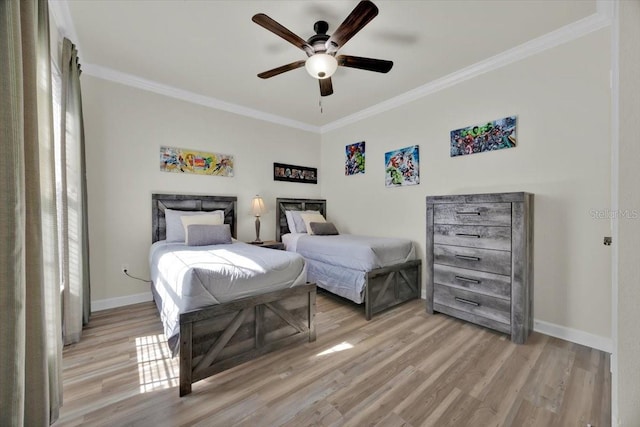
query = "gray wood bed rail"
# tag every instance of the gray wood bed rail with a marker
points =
(219, 337)
(385, 287)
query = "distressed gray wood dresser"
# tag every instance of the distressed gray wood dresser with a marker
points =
(480, 260)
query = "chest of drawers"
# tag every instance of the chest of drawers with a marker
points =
(479, 253)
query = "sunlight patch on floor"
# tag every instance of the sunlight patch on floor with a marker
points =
(156, 369)
(336, 348)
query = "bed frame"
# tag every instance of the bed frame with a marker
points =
(385, 287)
(219, 337)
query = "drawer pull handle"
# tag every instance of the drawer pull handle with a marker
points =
(467, 213)
(466, 301)
(477, 236)
(465, 279)
(468, 258)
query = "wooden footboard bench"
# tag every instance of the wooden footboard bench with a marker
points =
(219, 337)
(389, 286)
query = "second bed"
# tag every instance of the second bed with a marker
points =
(379, 272)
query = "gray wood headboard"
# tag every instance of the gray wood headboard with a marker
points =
(182, 202)
(284, 205)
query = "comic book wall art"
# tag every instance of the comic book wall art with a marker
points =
(182, 160)
(293, 173)
(354, 158)
(490, 136)
(402, 167)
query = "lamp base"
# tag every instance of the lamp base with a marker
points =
(257, 241)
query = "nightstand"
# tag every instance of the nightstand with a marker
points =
(271, 244)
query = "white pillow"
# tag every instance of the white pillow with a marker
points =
(290, 222)
(207, 219)
(311, 217)
(299, 225)
(175, 228)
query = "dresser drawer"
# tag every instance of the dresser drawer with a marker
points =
(473, 236)
(489, 260)
(490, 284)
(496, 309)
(470, 317)
(472, 213)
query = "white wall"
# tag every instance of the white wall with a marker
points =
(628, 345)
(125, 128)
(562, 100)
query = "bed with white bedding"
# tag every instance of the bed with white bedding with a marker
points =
(222, 302)
(187, 278)
(379, 272)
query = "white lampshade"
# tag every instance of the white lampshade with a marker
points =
(321, 65)
(257, 206)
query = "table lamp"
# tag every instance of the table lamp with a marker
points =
(257, 208)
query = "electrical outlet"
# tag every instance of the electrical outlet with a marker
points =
(124, 268)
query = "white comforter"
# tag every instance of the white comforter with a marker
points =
(191, 277)
(361, 253)
(340, 263)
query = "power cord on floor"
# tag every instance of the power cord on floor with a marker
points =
(126, 272)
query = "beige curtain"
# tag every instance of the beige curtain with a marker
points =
(73, 200)
(30, 360)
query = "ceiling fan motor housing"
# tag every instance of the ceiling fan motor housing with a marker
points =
(318, 40)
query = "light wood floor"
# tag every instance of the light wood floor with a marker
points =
(403, 368)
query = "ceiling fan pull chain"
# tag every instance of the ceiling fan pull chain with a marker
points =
(320, 104)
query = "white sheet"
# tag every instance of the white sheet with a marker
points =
(346, 282)
(290, 240)
(191, 277)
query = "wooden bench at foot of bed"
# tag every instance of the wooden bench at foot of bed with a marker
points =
(220, 337)
(390, 286)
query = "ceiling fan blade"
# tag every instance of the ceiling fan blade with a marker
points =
(282, 69)
(326, 87)
(277, 29)
(369, 64)
(364, 12)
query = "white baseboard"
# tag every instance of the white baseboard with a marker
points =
(562, 332)
(574, 335)
(105, 304)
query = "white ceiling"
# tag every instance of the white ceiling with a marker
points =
(213, 49)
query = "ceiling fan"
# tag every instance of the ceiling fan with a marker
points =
(321, 48)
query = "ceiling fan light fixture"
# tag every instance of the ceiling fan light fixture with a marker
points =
(321, 65)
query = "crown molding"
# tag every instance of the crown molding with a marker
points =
(601, 19)
(62, 16)
(570, 32)
(110, 74)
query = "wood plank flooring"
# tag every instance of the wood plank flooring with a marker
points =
(403, 368)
